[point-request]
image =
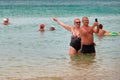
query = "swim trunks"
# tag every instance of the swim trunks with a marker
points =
(88, 49)
(76, 43)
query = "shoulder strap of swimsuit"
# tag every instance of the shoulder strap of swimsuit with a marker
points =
(73, 31)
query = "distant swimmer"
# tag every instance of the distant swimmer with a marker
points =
(6, 21)
(119, 33)
(42, 26)
(52, 28)
(101, 30)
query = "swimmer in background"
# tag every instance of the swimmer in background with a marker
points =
(118, 33)
(6, 21)
(101, 30)
(41, 29)
(52, 28)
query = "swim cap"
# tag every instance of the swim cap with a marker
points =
(42, 25)
(52, 26)
(5, 19)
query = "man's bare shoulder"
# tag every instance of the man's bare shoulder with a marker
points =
(81, 28)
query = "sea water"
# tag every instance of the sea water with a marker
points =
(26, 53)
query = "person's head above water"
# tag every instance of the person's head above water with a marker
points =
(52, 28)
(42, 26)
(6, 21)
(100, 26)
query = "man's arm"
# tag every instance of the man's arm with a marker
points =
(95, 27)
(63, 24)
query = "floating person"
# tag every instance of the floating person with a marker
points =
(119, 33)
(6, 21)
(42, 27)
(101, 30)
(52, 28)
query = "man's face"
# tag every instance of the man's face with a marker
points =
(85, 21)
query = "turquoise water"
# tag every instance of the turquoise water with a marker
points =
(25, 53)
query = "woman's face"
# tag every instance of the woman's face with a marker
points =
(77, 23)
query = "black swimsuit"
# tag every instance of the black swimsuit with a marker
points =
(75, 40)
(88, 49)
(75, 43)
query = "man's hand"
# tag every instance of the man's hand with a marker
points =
(95, 24)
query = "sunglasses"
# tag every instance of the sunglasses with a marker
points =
(77, 22)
